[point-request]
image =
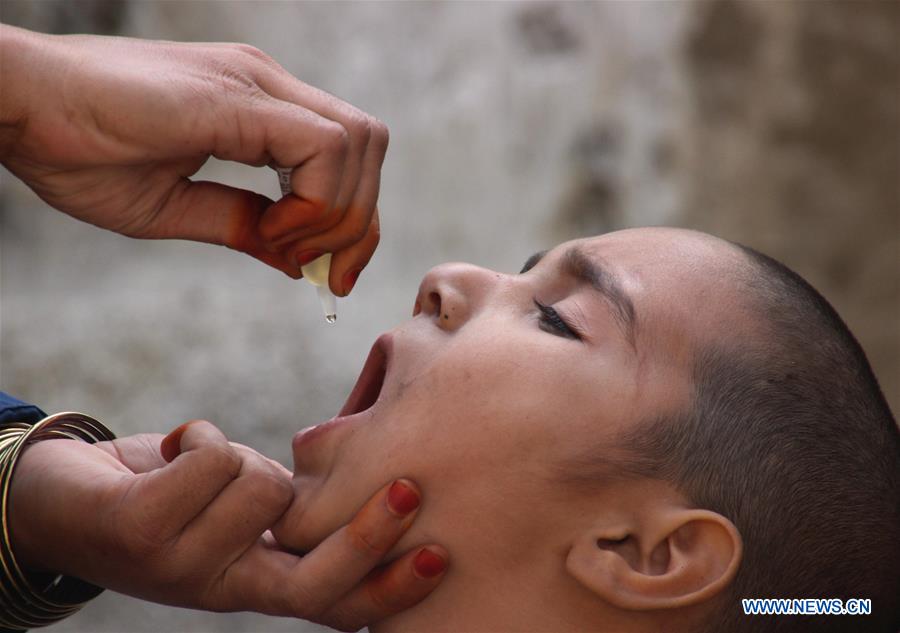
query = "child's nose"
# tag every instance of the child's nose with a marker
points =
(450, 293)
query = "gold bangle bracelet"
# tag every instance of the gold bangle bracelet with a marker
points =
(28, 599)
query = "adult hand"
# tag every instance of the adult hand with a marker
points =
(183, 520)
(109, 130)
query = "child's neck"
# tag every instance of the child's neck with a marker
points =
(479, 599)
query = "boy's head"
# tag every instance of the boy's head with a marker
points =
(635, 430)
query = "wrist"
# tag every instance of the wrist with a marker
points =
(49, 492)
(27, 599)
(30, 532)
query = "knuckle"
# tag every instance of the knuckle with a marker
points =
(282, 490)
(380, 136)
(375, 235)
(336, 137)
(359, 128)
(355, 229)
(221, 458)
(359, 232)
(363, 544)
(355, 233)
(246, 50)
(271, 493)
(231, 77)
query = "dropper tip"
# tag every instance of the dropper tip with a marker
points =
(329, 304)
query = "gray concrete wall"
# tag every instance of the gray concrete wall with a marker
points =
(513, 126)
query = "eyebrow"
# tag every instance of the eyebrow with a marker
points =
(578, 265)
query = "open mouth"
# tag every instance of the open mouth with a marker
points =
(371, 379)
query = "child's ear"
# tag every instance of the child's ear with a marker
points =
(674, 558)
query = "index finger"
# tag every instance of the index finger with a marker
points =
(316, 185)
(334, 584)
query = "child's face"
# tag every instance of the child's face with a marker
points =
(488, 402)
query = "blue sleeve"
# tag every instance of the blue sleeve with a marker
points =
(13, 410)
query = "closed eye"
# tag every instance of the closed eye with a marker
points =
(550, 321)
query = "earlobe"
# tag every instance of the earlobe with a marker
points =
(676, 558)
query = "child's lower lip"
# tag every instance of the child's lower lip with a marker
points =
(311, 434)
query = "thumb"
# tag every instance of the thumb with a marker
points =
(214, 213)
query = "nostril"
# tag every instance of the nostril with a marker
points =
(435, 300)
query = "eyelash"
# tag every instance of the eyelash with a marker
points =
(550, 318)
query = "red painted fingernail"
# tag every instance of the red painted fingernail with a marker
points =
(350, 278)
(428, 564)
(170, 447)
(307, 256)
(402, 499)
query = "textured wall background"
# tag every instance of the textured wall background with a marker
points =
(513, 126)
